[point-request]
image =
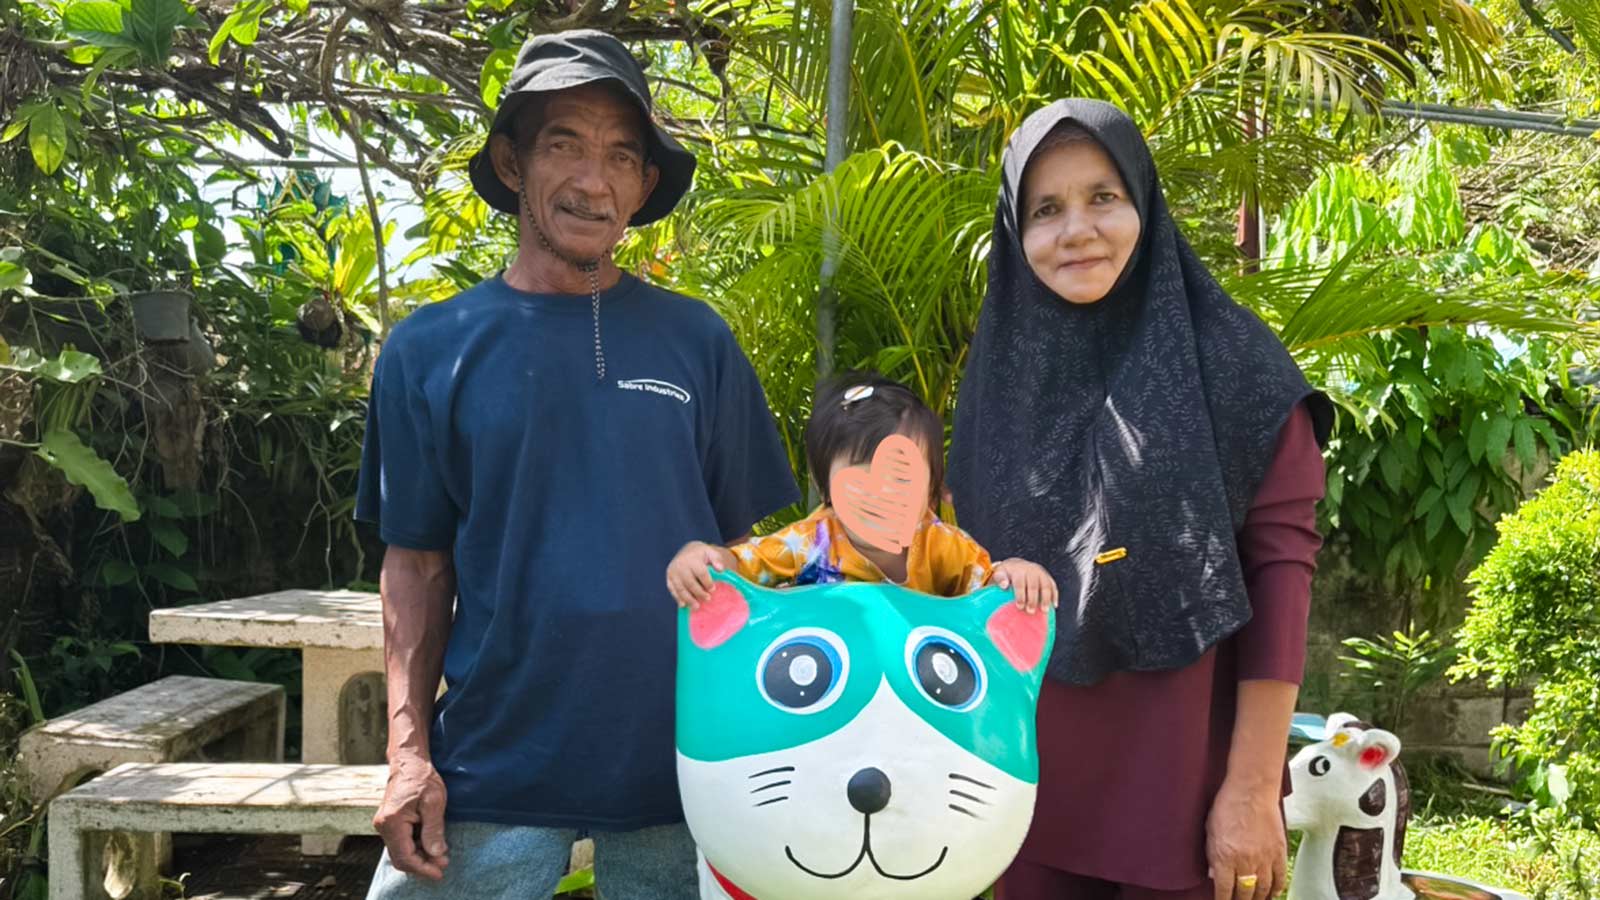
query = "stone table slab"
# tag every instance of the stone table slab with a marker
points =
(340, 620)
(340, 637)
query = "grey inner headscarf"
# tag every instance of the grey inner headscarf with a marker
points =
(1120, 443)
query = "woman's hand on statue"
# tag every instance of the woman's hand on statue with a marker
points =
(689, 575)
(1245, 843)
(1032, 584)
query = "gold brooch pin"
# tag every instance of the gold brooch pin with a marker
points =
(1111, 556)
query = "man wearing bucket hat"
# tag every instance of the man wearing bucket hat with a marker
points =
(537, 449)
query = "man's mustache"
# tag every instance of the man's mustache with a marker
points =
(581, 207)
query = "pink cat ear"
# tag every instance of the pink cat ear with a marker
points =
(719, 618)
(1019, 635)
(1378, 748)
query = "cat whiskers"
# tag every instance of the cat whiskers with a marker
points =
(965, 791)
(763, 793)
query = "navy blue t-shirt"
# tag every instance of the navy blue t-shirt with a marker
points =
(563, 499)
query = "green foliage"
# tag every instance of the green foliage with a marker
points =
(78, 671)
(82, 466)
(1389, 672)
(1442, 443)
(1443, 426)
(1544, 856)
(905, 313)
(1535, 616)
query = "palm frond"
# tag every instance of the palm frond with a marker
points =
(1461, 33)
(1585, 18)
(911, 234)
(1328, 315)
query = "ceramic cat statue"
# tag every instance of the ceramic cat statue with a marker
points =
(1350, 797)
(857, 740)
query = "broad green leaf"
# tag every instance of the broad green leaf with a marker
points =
(1436, 517)
(1551, 441)
(113, 56)
(93, 15)
(1557, 785)
(172, 576)
(1459, 502)
(243, 25)
(1499, 436)
(1522, 436)
(210, 246)
(12, 276)
(98, 23)
(298, 6)
(19, 122)
(69, 366)
(1389, 465)
(85, 468)
(47, 138)
(16, 127)
(496, 69)
(368, 318)
(168, 536)
(1429, 499)
(150, 24)
(116, 572)
(160, 506)
(192, 504)
(1477, 438)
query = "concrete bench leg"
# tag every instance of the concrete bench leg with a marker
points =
(69, 870)
(102, 865)
(326, 672)
(155, 847)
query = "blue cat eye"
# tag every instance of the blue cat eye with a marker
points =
(945, 668)
(803, 671)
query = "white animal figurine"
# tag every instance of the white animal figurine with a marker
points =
(1350, 797)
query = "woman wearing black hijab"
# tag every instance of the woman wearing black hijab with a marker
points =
(1151, 442)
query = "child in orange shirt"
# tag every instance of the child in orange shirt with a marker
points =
(852, 415)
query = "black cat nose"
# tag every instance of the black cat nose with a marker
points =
(868, 791)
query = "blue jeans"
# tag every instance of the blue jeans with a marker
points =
(521, 862)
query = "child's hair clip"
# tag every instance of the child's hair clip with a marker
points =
(856, 394)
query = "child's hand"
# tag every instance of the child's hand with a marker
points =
(1034, 587)
(688, 577)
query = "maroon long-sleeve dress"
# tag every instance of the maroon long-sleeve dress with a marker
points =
(1128, 767)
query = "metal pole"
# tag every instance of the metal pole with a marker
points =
(839, 42)
(838, 145)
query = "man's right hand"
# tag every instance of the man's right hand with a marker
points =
(411, 819)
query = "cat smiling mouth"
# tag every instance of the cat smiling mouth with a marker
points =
(866, 854)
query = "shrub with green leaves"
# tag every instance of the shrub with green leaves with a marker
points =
(1537, 615)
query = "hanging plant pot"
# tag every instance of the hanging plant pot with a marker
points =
(162, 317)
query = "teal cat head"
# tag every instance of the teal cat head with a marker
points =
(763, 670)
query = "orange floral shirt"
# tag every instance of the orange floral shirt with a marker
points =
(943, 560)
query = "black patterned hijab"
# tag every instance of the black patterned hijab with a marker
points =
(1120, 443)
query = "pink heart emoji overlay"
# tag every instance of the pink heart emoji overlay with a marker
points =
(883, 504)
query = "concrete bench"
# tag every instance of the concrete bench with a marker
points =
(91, 857)
(176, 718)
